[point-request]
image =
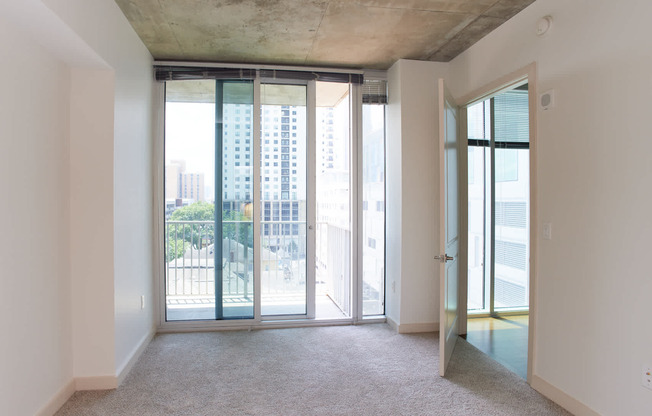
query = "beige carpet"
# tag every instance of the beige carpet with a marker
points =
(350, 370)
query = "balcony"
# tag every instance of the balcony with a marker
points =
(190, 287)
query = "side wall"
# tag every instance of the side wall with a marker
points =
(413, 189)
(594, 174)
(75, 122)
(394, 222)
(36, 341)
(101, 24)
(91, 221)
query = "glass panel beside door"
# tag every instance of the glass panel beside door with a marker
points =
(283, 199)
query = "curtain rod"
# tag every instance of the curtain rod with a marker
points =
(258, 66)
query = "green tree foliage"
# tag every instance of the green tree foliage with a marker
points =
(198, 234)
(201, 231)
(174, 249)
(238, 228)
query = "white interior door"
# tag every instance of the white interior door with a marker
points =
(449, 225)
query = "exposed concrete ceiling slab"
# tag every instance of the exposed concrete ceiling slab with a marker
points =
(336, 33)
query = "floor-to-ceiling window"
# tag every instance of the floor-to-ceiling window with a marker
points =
(260, 169)
(499, 203)
(373, 206)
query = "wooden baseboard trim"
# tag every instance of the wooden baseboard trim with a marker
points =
(561, 398)
(55, 403)
(417, 328)
(134, 356)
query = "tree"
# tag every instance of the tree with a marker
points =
(237, 228)
(174, 249)
(200, 229)
(197, 234)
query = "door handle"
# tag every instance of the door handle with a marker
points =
(444, 258)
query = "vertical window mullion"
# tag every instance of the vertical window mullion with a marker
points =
(217, 223)
(256, 197)
(492, 214)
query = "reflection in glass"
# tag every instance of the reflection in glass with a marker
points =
(235, 128)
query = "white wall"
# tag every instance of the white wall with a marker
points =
(412, 195)
(36, 343)
(91, 222)
(594, 172)
(101, 24)
(393, 189)
(75, 122)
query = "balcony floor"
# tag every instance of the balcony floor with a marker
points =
(192, 308)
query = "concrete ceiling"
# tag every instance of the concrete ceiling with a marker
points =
(334, 33)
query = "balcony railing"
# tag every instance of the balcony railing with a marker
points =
(190, 259)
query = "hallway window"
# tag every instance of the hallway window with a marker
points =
(499, 203)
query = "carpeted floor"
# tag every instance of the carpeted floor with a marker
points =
(346, 370)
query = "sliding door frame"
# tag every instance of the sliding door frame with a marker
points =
(310, 193)
(356, 178)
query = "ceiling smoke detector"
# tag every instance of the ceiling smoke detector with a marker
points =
(543, 25)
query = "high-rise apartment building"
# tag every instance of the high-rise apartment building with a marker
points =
(191, 186)
(180, 184)
(282, 165)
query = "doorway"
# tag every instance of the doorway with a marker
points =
(498, 212)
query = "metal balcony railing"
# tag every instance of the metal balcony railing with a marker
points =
(190, 258)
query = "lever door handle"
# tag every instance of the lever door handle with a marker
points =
(444, 258)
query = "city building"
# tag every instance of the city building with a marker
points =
(180, 184)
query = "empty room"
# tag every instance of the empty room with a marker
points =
(383, 207)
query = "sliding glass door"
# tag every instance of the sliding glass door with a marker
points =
(209, 249)
(259, 200)
(499, 203)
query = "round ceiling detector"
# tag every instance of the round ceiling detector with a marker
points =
(543, 25)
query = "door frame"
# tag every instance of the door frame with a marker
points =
(529, 73)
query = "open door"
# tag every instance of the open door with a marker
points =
(449, 226)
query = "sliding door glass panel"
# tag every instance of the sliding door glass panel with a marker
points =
(476, 226)
(333, 226)
(189, 195)
(512, 208)
(478, 192)
(234, 130)
(373, 209)
(283, 196)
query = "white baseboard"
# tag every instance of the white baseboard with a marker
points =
(561, 398)
(96, 383)
(55, 403)
(416, 328)
(126, 367)
(392, 324)
(413, 328)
